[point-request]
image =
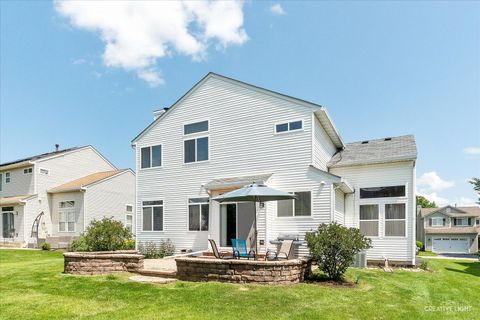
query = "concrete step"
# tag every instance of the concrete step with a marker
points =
(158, 273)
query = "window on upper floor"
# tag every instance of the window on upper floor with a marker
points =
(289, 126)
(1, 182)
(382, 192)
(44, 171)
(295, 207)
(198, 209)
(437, 222)
(28, 170)
(7, 177)
(195, 150)
(461, 222)
(196, 127)
(369, 220)
(151, 156)
(395, 220)
(152, 215)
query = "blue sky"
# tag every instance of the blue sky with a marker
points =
(381, 69)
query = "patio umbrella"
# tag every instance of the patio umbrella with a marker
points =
(255, 192)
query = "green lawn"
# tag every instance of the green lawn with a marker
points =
(32, 286)
(427, 254)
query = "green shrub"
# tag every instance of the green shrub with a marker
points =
(419, 245)
(424, 265)
(79, 244)
(106, 235)
(151, 251)
(128, 244)
(46, 246)
(334, 247)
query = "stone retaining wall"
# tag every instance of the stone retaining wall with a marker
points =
(243, 271)
(102, 262)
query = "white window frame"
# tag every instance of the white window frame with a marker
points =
(436, 219)
(195, 133)
(129, 213)
(385, 220)
(461, 225)
(66, 211)
(152, 206)
(371, 220)
(8, 177)
(294, 216)
(288, 123)
(193, 137)
(200, 216)
(28, 170)
(151, 157)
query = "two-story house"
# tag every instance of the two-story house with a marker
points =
(223, 134)
(449, 229)
(52, 197)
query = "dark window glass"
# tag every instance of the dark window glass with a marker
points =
(198, 200)
(202, 149)
(195, 127)
(194, 218)
(157, 218)
(153, 203)
(147, 219)
(146, 157)
(7, 208)
(295, 125)
(282, 127)
(382, 192)
(189, 150)
(156, 156)
(285, 208)
(204, 218)
(302, 203)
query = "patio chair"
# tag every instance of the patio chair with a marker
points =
(239, 247)
(282, 253)
(218, 254)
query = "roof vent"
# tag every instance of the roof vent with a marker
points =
(57, 146)
(388, 139)
(365, 142)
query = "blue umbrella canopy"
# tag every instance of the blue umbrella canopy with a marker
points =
(255, 192)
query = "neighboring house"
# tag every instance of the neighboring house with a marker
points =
(54, 196)
(223, 134)
(449, 229)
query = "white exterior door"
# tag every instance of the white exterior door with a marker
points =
(450, 245)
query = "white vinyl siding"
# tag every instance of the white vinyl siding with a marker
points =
(240, 145)
(323, 147)
(379, 175)
(16, 182)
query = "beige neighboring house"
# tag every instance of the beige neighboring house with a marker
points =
(449, 229)
(52, 197)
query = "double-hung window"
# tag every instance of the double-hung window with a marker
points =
(461, 222)
(7, 177)
(296, 207)
(289, 126)
(66, 216)
(129, 217)
(369, 220)
(195, 149)
(198, 214)
(152, 215)
(395, 220)
(437, 222)
(28, 170)
(151, 156)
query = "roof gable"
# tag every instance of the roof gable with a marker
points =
(325, 119)
(452, 211)
(85, 181)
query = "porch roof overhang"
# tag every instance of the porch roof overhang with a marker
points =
(344, 186)
(235, 182)
(5, 201)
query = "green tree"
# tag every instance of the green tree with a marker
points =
(476, 187)
(334, 247)
(425, 203)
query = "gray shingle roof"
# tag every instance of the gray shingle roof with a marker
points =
(39, 156)
(375, 151)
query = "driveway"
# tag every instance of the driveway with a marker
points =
(454, 256)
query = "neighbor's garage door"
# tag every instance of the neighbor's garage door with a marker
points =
(450, 245)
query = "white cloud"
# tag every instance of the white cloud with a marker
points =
(431, 182)
(472, 150)
(277, 9)
(79, 61)
(439, 201)
(465, 202)
(136, 34)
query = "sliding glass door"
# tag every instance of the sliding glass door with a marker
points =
(8, 227)
(237, 222)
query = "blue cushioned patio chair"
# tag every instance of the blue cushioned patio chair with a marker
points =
(239, 247)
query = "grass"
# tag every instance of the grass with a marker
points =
(427, 254)
(32, 285)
